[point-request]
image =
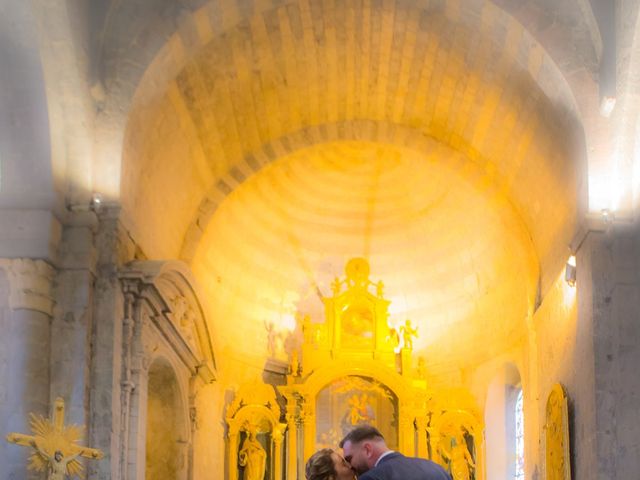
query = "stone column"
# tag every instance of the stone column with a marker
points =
(480, 456)
(278, 435)
(232, 458)
(406, 430)
(26, 308)
(292, 439)
(114, 248)
(72, 317)
(308, 424)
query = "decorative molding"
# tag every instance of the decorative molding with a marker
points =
(30, 284)
(166, 294)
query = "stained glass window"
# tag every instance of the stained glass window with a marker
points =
(519, 417)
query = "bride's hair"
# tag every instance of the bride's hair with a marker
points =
(320, 466)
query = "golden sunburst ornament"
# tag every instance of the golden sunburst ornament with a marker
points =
(55, 445)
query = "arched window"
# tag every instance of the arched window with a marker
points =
(504, 426)
(519, 432)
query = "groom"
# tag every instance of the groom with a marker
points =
(365, 449)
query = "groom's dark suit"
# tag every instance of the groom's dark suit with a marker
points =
(396, 466)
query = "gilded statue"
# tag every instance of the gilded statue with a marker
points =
(252, 457)
(272, 337)
(408, 333)
(460, 460)
(394, 338)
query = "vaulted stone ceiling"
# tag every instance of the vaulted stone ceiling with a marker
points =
(420, 137)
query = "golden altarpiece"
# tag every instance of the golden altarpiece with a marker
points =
(354, 368)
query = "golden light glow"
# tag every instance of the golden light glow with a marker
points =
(291, 228)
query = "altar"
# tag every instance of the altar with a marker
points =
(353, 368)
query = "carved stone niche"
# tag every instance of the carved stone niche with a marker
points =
(163, 322)
(255, 434)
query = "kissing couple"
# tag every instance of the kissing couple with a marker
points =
(365, 454)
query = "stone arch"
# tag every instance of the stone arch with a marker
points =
(227, 168)
(167, 430)
(190, 26)
(400, 386)
(170, 281)
(461, 158)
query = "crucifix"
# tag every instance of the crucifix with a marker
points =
(55, 445)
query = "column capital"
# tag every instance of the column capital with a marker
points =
(30, 283)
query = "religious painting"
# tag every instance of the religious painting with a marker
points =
(358, 326)
(456, 446)
(557, 464)
(351, 401)
(458, 451)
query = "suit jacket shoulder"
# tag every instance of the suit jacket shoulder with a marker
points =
(398, 467)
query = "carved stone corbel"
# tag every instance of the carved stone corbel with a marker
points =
(30, 283)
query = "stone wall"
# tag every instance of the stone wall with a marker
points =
(610, 260)
(565, 356)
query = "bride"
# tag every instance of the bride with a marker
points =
(327, 464)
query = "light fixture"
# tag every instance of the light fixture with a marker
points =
(607, 104)
(570, 271)
(96, 202)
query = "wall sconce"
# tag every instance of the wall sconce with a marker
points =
(96, 202)
(570, 271)
(607, 216)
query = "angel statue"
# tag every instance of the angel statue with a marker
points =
(408, 332)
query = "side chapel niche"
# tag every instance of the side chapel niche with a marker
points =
(167, 358)
(355, 368)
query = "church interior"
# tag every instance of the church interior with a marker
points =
(233, 230)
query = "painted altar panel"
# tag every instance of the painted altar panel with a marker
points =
(351, 401)
(358, 326)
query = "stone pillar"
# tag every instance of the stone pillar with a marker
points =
(233, 454)
(608, 289)
(308, 424)
(292, 439)
(277, 435)
(406, 430)
(26, 308)
(72, 318)
(114, 248)
(405, 361)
